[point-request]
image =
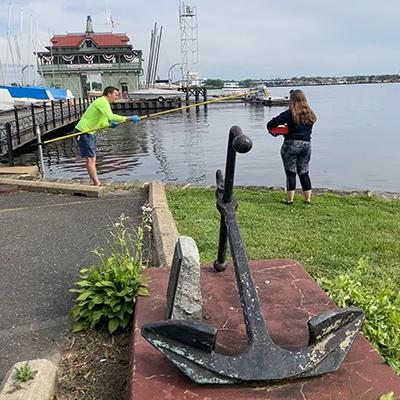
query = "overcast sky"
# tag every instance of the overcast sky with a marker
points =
(237, 39)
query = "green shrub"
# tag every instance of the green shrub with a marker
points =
(108, 291)
(382, 315)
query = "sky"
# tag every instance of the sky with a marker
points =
(237, 40)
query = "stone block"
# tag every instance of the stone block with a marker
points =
(184, 301)
(41, 387)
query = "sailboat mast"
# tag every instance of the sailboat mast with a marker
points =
(35, 48)
(20, 50)
(1, 72)
(8, 39)
(29, 49)
(17, 50)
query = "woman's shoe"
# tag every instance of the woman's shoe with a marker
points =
(307, 202)
(288, 203)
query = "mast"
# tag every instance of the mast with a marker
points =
(20, 47)
(35, 49)
(8, 39)
(1, 72)
(29, 48)
(17, 50)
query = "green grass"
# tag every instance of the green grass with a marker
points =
(328, 238)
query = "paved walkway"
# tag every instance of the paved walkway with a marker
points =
(45, 240)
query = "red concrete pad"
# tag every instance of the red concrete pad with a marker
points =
(289, 298)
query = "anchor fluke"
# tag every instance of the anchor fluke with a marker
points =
(194, 334)
(330, 322)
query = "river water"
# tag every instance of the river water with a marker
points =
(355, 143)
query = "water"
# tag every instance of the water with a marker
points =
(355, 143)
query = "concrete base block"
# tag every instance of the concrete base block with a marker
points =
(164, 229)
(41, 387)
(30, 171)
(58, 188)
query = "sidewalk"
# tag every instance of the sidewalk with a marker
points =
(45, 240)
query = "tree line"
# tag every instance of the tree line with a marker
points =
(303, 80)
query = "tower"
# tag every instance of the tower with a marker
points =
(189, 45)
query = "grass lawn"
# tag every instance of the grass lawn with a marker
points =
(327, 239)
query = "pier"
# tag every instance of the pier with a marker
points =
(19, 127)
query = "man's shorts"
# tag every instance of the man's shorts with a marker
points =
(87, 144)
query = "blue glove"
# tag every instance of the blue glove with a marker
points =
(113, 124)
(135, 118)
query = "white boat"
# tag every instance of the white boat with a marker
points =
(155, 94)
(6, 101)
(25, 96)
(231, 88)
(264, 96)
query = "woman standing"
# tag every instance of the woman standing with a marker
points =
(296, 148)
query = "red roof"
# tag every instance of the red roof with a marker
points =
(105, 40)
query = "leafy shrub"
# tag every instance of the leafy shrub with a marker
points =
(382, 315)
(108, 291)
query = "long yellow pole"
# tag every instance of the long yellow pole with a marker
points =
(152, 115)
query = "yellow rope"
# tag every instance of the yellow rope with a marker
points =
(152, 115)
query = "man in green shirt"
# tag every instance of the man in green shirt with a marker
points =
(97, 115)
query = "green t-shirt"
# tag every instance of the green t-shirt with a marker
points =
(98, 114)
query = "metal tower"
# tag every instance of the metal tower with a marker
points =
(189, 45)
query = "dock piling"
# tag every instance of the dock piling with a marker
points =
(40, 149)
(9, 145)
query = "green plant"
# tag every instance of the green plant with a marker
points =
(387, 396)
(382, 315)
(23, 374)
(108, 291)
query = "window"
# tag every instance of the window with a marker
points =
(88, 43)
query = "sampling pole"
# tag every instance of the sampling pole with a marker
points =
(153, 115)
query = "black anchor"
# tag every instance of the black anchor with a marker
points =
(190, 345)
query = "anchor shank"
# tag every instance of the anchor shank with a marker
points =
(222, 243)
(234, 133)
(256, 326)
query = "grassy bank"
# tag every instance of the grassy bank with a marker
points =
(328, 238)
(350, 245)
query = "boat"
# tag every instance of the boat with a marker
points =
(24, 96)
(263, 96)
(231, 88)
(155, 94)
(6, 101)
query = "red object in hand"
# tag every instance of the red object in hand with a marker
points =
(280, 130)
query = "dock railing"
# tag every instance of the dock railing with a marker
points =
(21, 129)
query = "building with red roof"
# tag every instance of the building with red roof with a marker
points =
(73, 57)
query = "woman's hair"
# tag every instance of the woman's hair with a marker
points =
(301, 111)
